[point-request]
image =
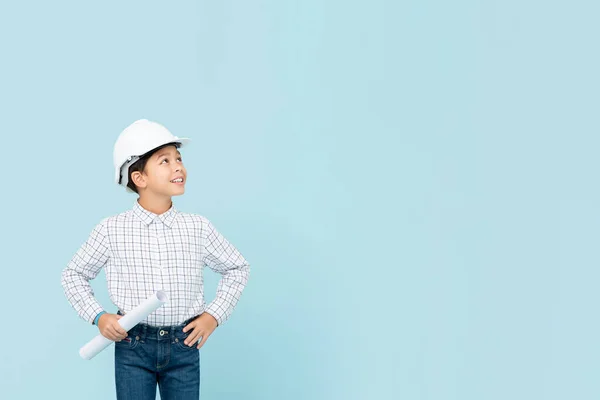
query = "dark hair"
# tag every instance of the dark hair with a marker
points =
(140, 164)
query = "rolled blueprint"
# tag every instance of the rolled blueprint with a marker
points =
(128, 321)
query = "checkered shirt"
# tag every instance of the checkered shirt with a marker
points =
(143, 252)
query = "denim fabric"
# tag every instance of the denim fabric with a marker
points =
(157, 355)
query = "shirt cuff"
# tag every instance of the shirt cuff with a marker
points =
(98, 317)
(217, 312)
(90, 310)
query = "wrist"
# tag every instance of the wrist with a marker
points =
(98, 317)
(212, 318)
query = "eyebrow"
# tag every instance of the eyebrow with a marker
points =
(166, 154)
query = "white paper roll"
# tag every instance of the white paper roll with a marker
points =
(128, 321)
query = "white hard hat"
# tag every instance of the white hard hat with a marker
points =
(136, 140)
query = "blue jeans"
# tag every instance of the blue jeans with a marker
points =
(157, 355)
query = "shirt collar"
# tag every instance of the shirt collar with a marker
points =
(147, 217)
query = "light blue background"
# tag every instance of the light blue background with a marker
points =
(413, 183)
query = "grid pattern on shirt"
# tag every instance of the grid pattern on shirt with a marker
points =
(142, 253)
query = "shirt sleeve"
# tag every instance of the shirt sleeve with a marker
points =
(83, 267)
(223, 258)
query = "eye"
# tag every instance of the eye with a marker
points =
(179, 158)
(164, 159)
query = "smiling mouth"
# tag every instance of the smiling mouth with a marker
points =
(178, 180)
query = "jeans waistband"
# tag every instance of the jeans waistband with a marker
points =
(144, 331)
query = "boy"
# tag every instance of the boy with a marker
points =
(155, 247)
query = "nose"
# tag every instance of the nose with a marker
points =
(178, 167)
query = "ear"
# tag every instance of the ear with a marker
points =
(138, 179)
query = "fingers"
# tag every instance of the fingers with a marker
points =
(109, 334)
(110, 328)
(204, 337)
(190, 339)
(115, 333)
(120, 332)
(198, 330)
(194, 337)
(120, 329)
(192, 328)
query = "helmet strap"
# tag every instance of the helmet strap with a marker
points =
(124, 179)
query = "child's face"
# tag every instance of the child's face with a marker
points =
(161, 169)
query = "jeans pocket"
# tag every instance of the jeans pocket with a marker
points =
(179, 342)
(130, 342)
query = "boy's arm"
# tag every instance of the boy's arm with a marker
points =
(222, 257)
(83, 267)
